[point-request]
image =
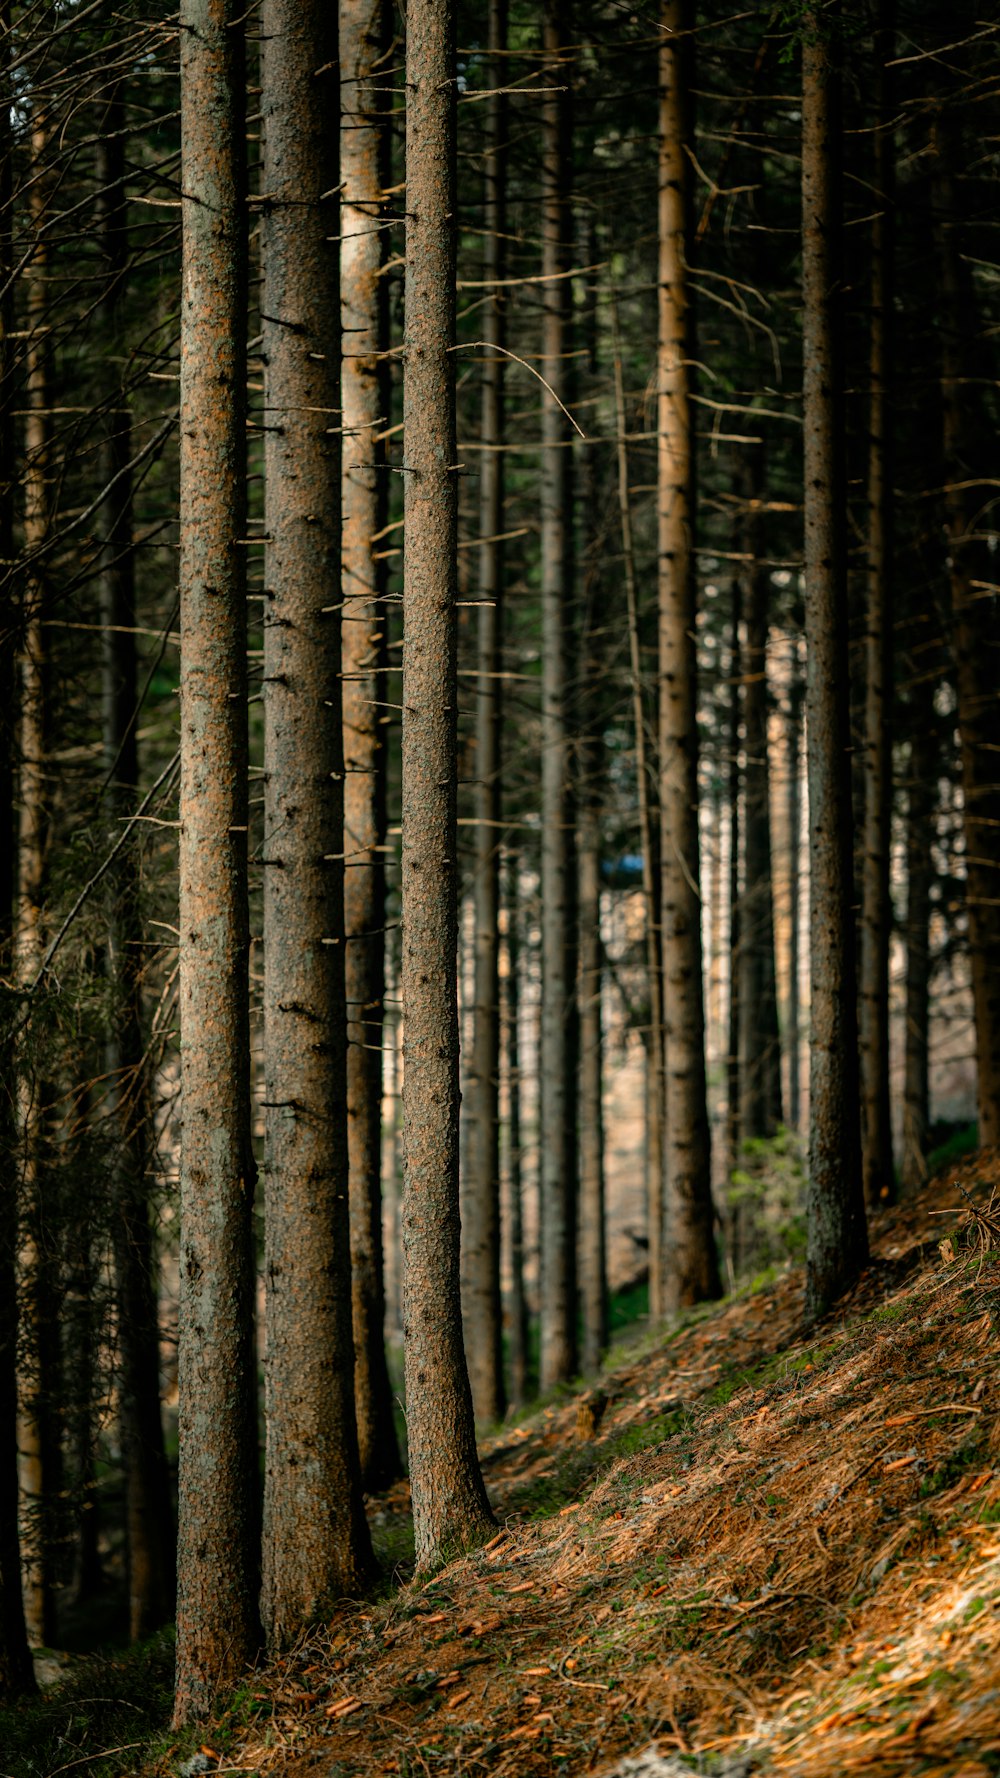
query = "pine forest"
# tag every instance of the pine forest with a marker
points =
(499, 888)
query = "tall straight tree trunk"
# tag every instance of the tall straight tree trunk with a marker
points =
(733, 1071)
(975, 630)
(450, 1508)
(16, 1672)
(558, 1336)
(218, 1628)
(148, 1507)
(876, 907)
(39, 1438)
(481, 1305)
(691, 1259)
(517, 1317)
(837, 1233)
(792, 1038)
(364, 398)
(316, 1545)
(592, 1239)
(921, 799)
(760, 1046)
(645, 782)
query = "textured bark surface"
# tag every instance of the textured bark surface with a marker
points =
(646, 796)
(876, 907)
(837, 1233)
(975, 628)
(593, 1243)
(733, 1135)
(39, 1431)
(792, 1039)
(481, 1307)
(921, 797)
(364, 399)
(692, 1268)
(218, 1502)
(517, 1307)
(450, 1508)
(148, 1506)
(316, 1547)
(760, 1042)
(16, 1671)
(558, 1340)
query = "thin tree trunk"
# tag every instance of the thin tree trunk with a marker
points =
(558, 1161)
(16, 1672)
(733, 1073)
(921, 799)
(792, 1038)
(364, 397)
(837, 1233)
(645, 781)
(481, 1304)
(40, 1431)
(593, 1246)
(692, 1261)
(219, 1518)
(450, 1508)
(760, 1046)
(876, 907)
(316, 1547)
(517, 1316)
(148, 1508)
(975, 632)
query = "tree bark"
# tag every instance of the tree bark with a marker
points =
(921, 800)
(693, 1267)
(450, 1508)
(837, 1234)
(365, 399)
(39, 1439)
(17, 1677)
(558, 1320)
(316, 1547)
(646, 796)
(218, 1522)
(148, 1507)
(593, 1240)
(760, 1045)
(975, 630)
(733, 1071)
(481, 1304)
(517, 1316)
(792, 1038)
(876, 906)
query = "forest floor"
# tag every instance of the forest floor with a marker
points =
(753, 1548)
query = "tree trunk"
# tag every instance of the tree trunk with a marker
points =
(517, 1316)
(876, 907)
(975, 630)
(450, 1508)
(593, 1242)
(365, 398)
(837, 1233)
(39, 1439)
(692, 1262)
(481, 1307)
(148, 1507)
(760, 1045)
(16, 1672)
(218, 1521)
(316, 1547)
(646, 793)
(558, 1161)
(921, 800)
(792, 1038)
(733, 1072)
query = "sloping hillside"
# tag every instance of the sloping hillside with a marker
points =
(774, 1552)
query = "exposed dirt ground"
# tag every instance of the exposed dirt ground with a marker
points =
(768, 1551)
